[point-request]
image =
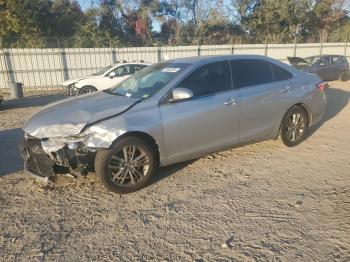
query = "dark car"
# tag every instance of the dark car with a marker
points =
(327, 67)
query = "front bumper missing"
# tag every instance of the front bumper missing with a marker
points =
(71, 90)
(64, 161)
(36, 161)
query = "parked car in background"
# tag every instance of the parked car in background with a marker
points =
(171, 112)
(328, 67)
(103, 79)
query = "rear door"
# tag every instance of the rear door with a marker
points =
(262, 87)
(339, 66)
(206, 122)
(325, 68)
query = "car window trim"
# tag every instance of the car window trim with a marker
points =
(164, 100)
(273, 74)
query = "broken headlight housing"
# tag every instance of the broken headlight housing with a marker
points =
(73, 142)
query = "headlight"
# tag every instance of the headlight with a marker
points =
(73, 142)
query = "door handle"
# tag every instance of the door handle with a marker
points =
(231, 102)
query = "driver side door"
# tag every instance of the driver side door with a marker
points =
(208, 121)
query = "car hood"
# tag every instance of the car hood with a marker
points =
(69, 116)
(295, 61)
(72, 81)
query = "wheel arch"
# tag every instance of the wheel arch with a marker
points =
(306, 108)
(144, 136)
(89, 85)
(302, 106)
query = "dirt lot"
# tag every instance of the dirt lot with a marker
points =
(261, 202)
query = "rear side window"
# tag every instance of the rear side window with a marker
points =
(208, 79)
(251, 72)
(280, 74)
(338, 60)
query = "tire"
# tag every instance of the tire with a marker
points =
(344, 76)
(86, 90)
(294, 126)
(121, 174)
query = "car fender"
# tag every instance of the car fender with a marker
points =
(141, 119)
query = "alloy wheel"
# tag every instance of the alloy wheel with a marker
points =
(128, 166)
(295, 127)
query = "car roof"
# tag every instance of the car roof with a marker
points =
(208, 58)
(128, 63)
(326, 56)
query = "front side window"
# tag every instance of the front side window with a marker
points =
(149, 81)
(325, 60)
(124, 70)
(251, 72)
(208, 79)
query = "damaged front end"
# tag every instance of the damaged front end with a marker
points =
(45, 159)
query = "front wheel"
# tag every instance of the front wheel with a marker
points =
(294, 126)
(87, 89)
(127, 166)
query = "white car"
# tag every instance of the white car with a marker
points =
(103, 79)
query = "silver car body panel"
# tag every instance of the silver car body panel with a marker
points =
(69, 116)
(187, 129)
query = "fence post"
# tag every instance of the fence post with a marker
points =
(113, 56)
(266, 47)
(295, 48)
(233, 46)
(159, 54)
(346, 46)
(63, 61)
(9, 67)
(321, 47)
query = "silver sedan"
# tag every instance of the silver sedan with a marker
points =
(170, 112)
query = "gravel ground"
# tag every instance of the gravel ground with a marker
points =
(261, 202)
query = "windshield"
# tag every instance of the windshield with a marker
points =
(102, 71)
(148, 81)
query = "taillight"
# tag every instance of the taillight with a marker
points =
(322, 86)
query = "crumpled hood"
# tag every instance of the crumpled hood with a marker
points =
(72, 81)
(69, 116)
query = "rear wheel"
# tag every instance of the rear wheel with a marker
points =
(294, 126)
(344, 76)
(127, 166)
(87, 89)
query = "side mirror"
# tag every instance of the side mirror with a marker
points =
(322, 64)
(181, 94)
(112, 74)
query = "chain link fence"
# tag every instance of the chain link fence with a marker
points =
(44, 69)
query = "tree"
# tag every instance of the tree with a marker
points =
(327, 16)
(342, 32)
(272, 21)
(91, 34)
